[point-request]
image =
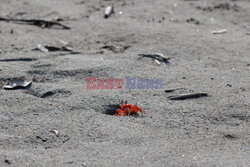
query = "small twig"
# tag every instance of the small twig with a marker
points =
(172, 90)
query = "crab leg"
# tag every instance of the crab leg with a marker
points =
(129, 111)
(142, 111)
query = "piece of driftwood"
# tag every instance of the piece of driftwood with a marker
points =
(46, 49)
(188, 96)
(157, 56)
(36, 22)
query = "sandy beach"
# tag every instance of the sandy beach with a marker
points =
(59, 121)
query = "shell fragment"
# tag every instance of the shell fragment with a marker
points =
(42, 48)
(222, 31)
(156, 56)
(157, 62)
(56, 132)
(108, 11)
(17, 84)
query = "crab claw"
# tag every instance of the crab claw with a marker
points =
(121, 112)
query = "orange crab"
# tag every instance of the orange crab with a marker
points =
(128, 109)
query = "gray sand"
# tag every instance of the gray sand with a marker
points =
(207, 131)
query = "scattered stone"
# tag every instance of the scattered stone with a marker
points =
(7, 161)
(229, 136)
(192, 20)
(220, 6)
